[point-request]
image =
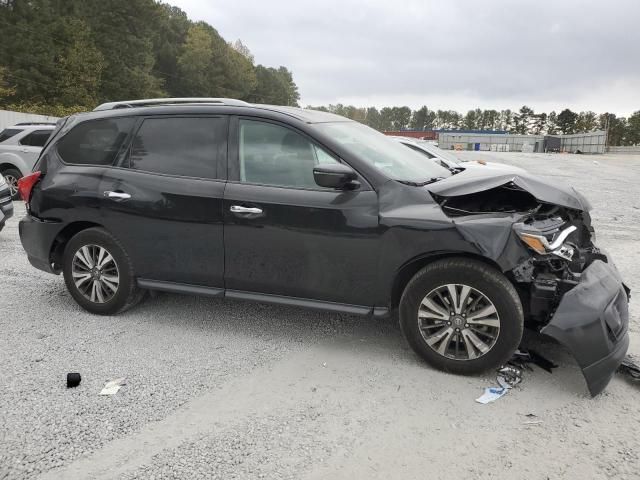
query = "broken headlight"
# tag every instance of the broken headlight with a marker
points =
(542, 245)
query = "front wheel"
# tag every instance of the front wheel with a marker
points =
(462, 316)
(99, 274)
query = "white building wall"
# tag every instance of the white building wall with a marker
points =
(9, 118)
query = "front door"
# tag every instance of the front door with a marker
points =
(164, 199)
(284, 235)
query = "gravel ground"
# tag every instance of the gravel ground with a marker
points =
(224, 389)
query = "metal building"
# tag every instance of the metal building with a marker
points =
(592, 142)
(488, 142)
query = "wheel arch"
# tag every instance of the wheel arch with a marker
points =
(63, 237)
(8, 161)
(406, 272)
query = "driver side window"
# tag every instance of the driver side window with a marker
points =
(271, 154)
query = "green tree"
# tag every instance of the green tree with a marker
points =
(633, 129)
(586, 122)
(523, 120)
(567, 121)
(552, 123)
(373, 118)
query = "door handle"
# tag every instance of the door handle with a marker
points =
(117, 195)
(25, 150)
(246, 210)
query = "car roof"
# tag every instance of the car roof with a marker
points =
(215, 105)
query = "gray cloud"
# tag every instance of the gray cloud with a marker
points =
(454, 54)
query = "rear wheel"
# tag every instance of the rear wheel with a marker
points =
(462, 316)
(12, 175)
(99, 274)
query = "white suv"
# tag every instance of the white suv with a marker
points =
(20, 147)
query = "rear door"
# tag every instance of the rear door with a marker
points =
(163, 200)
(285, 235)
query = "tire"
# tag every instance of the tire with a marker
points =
(487, 289)
(86, 245)
(11, 175)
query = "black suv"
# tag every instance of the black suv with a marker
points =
(223, 198)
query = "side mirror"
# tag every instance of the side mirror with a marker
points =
(336, 175)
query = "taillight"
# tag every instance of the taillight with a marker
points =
(25, 185)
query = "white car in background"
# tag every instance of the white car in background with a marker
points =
(20, 146)
(450, 161)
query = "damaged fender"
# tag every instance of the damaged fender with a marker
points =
(592, 322)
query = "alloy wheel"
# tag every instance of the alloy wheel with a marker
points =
(12, 183)
(458, 322)
(95, 273)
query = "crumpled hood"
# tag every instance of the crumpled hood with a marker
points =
(474, 180)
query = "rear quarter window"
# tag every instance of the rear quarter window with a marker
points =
(94, 142)
(7, 133)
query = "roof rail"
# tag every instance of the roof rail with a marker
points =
(24, 124)
(169, 101)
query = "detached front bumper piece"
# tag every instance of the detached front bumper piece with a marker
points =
(592, 322)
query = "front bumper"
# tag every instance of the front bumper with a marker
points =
(37, 237)
(592, 322)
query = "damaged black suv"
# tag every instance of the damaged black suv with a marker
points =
(220, 197)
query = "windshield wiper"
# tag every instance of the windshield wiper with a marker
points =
(421, 184)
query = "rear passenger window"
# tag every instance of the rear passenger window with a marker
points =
(188, 147)
(36, 139)
(95, 142)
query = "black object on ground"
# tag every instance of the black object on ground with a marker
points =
(630, 367)
(523, 358)
(73, 380)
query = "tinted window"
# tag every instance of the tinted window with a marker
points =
(274, 155)
(36, 138)
(7, 133)
(189, 147)
(95, 142)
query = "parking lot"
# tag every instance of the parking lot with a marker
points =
(227, 389)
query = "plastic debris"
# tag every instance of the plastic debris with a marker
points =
(73, 380)
(112, 386)
(630, 367)
(509, 376)
(491, 394)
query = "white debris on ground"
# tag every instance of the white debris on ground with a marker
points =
(226, 389)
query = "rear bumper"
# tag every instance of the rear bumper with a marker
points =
(592, 322)
(37, 237)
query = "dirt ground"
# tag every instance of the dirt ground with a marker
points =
(225, 389)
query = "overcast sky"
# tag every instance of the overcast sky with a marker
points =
(450, 54)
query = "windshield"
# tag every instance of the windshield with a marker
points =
(387, 155)
(450, 157)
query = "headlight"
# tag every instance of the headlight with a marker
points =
(540, 244)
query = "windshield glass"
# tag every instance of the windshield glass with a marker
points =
(385, 154)
(450, 157)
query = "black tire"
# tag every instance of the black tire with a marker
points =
(127, 294)
(12, 173)
(486, 280)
